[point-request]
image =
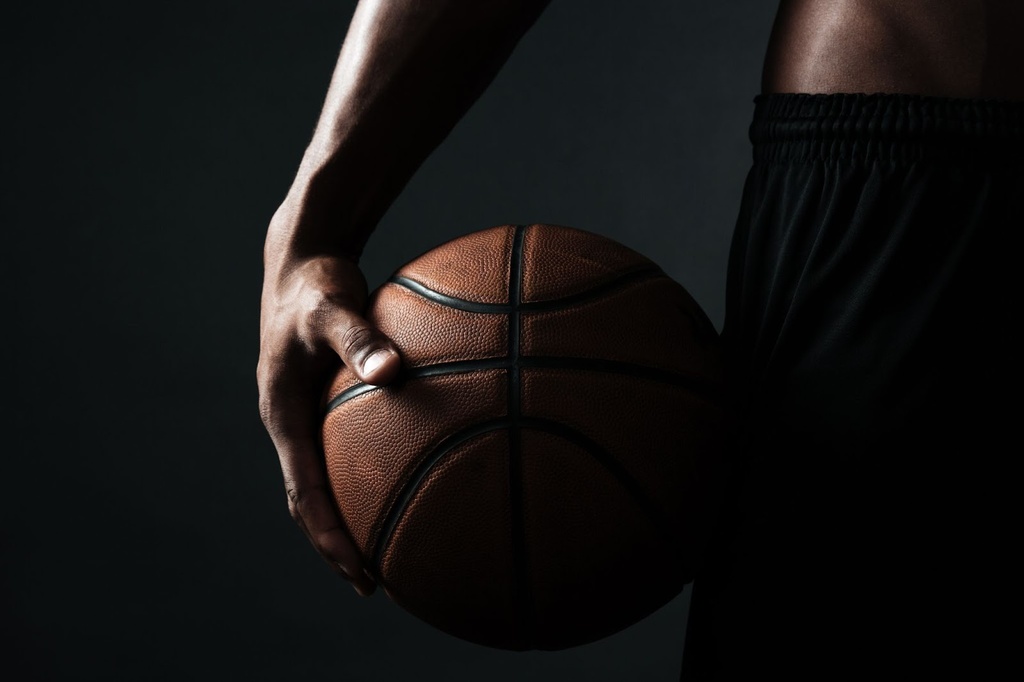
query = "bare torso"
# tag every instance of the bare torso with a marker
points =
(954, 48)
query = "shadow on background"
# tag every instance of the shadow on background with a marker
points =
(144, 528)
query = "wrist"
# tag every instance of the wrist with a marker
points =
(317, 217)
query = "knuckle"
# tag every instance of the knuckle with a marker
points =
(263, 372)
(318, 307)
(294, 510)
(355, 339)
(277, 410)
(300, 498)
(266, 407)
(275, 354)
(269, 395)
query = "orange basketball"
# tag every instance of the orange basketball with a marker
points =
(539, 477)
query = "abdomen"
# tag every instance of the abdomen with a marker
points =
(960, 48)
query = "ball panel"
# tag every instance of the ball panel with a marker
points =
(373, 442)
(667, 438)
(560, 261)
(474, 266)
(450, 560)
(649, 322)
(596, 564)
(427, 332)
(654, 444)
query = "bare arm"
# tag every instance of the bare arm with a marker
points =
(408, 71)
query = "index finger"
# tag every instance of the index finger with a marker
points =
(310, 498)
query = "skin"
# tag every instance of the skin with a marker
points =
(952, 48)
(408, 71)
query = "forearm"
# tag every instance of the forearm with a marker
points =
(407, 72)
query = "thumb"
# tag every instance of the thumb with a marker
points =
(362, 347)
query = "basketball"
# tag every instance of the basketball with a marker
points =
(542, 474)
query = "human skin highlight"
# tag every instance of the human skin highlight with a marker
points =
(954, 48)
(406, 74)
(408, 71)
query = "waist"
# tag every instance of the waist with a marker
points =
(853, 127)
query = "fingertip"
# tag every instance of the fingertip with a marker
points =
(361, 581)
(381, 366)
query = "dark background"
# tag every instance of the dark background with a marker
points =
(144, 527)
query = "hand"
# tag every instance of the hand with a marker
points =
(311, 316)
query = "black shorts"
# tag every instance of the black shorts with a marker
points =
(872, 323)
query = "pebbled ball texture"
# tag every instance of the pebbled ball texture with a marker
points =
(559, 424)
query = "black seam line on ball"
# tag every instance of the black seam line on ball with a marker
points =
(521, 595)
(651, 509)
(407, 374)
(620, 282)
(450, 301)
(414, 482)
(692, 382)
(609, 287)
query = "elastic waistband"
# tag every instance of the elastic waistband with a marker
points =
(886, 127)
